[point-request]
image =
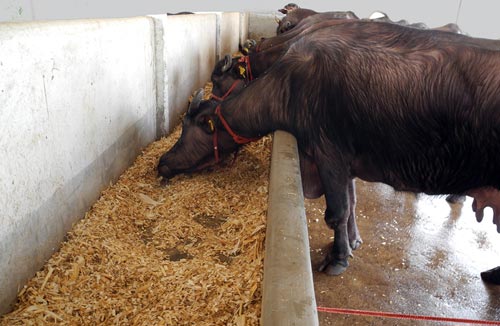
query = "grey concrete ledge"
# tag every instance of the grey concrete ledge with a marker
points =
(288, 290)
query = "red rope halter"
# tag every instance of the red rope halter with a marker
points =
(223, 97)
(246, 61)
(216, 147)
(237, 138)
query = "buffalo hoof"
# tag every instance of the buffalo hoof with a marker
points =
(334, 268)
(455, 199)
(492, 276)
(355, 244)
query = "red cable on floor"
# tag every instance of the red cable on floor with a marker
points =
(404, 316)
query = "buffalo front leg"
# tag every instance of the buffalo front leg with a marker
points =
(336, 217)
(312, 187)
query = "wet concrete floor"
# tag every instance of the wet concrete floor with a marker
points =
(420, 256)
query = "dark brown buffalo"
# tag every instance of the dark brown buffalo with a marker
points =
(293, 18)
(229, 72)
(288, 8)
(302, 22)
(318, 20)
(416, 109)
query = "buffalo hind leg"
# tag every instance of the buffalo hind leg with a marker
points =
(355, 240)
(455, 199)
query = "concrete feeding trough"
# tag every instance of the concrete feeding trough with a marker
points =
(288, 290)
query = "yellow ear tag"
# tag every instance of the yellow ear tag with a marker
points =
(211, 125)
(242, 71)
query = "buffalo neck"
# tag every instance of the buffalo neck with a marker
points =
(255, 111)
(262, 61)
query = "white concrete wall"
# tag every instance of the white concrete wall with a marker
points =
(244, 26)
(189, 61)
(187, 48)
(262, 24)
(477, 17)
(77, 102)
(229, 36)
(80, 99)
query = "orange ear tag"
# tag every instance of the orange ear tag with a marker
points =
(211, 125)
(242, 71)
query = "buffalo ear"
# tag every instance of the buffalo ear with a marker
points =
(195, 102)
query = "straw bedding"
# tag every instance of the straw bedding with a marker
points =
(189, 253)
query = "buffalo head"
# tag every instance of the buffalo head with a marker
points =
(202, 143)
(228, 75)
(288, 8)
(249, 46)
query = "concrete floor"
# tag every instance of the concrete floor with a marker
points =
(420, 256)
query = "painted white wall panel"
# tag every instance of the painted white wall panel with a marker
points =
(78, 103)
(67, 94)
(189, 58)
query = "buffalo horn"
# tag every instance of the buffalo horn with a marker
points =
(227, 63)
(195, 103)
